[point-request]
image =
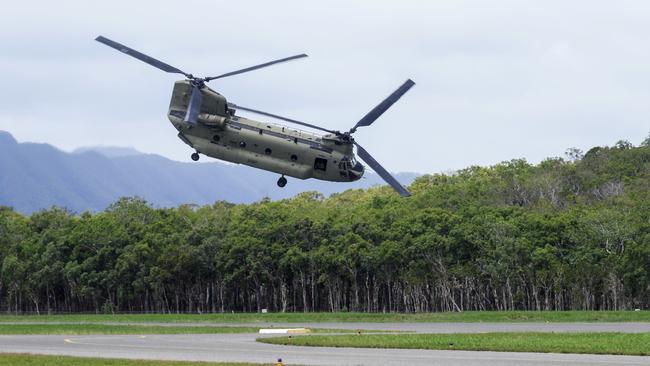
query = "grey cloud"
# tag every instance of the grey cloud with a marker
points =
(495, 80)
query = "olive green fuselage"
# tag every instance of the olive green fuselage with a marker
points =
(285, 150)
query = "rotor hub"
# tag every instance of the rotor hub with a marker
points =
(345, 136)
(198, 82)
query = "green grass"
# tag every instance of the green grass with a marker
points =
(468, 317)
(593, 343)
(34, 360)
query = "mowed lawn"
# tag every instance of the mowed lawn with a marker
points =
(34, 360)
(466, 317)
(593, 343)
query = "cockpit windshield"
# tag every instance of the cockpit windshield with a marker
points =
(347, 163)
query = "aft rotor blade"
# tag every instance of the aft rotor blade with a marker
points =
(194, 106)
(365, 156)
(140, 56)
(369, 118)
(234, 106)
(255, 67)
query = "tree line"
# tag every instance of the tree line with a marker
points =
(567, 233)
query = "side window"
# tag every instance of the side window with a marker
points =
(320, 164)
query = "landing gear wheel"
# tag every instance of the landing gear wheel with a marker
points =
(195, 156)
(282, 182)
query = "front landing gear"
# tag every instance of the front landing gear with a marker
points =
(282, 182)
(195, 156)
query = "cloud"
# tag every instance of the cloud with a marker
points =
(494, 80)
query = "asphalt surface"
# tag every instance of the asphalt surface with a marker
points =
(631, 327)
(243, 348)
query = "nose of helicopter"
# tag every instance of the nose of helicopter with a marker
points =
(356, 172)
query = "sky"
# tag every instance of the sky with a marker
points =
(495, 80)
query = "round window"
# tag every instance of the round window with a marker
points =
(267, 151)
(216, 138)
(242, 144)
(294, 157)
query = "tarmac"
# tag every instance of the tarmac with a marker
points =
(244, 348)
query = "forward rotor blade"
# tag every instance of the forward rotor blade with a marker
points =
(139, 55)
(194, 106)
(234, 106)
(255, 67)
(369, 118)
(365, 156)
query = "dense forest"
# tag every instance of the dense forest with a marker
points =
(567, 233)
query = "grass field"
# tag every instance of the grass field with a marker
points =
(593, 343)
(467, 317)
(33, 360)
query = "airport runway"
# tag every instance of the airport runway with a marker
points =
(243, 348)
(631, 327)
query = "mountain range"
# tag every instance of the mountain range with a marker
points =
(37, 176)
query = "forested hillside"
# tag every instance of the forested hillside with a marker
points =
(568, 233)
(37, 176)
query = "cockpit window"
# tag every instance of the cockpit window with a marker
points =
(320, 164)
(349, 162)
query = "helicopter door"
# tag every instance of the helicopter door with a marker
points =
(320, 164)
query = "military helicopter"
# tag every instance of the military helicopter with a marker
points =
(208, 123)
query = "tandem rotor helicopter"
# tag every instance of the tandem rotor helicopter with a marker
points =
(207, 122)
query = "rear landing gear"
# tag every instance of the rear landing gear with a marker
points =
(195, 156)
(282, 181)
